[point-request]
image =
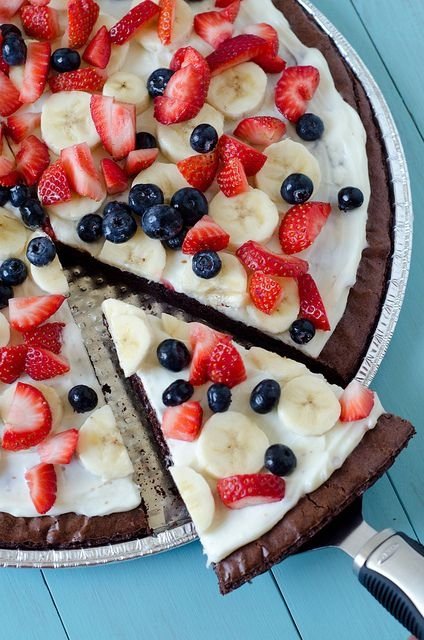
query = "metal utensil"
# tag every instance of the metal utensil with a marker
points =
(389, 564)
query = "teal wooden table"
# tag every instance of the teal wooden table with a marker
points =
(313, 596)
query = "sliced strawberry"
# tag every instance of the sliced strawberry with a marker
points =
(251, 159)
(9, 8)
(269, 59)
(40, 22)
(311, 304)
(32, 159)
(1, 132)
(294, 89)
(213, 27)
(4, 67)
(247, 490)
(184, 96)
(26, 313)
(199, 170)
(20, 125)
(42, 364)
(203, 340)
(223, 3)
(183, 422)
(86, 79)
(234, 51)
(42, 485)
(190, 56)
(115, 124)
(206, 234)
(232, 10)
(166, 20)
(138, 16)
(9, 96)
(35, 71)
(12, 362)
(140, 159)
(302, 224)
(256, 258)
(10, 179)
(60, 448)
(48, 336)
(231, 178)
(356, 402)
(82, 15)
(29, 419)
(265, 292)
(99, 49)
(261, 130)
(81, 171)
(39, 3)
(53, 186)
(226, 365)
(6, 167)
(271, 64)
(115, 178)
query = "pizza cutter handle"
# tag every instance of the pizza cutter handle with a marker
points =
(391, 567)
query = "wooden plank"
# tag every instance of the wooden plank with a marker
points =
(171, 596)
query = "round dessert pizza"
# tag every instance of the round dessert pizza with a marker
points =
(222, 157)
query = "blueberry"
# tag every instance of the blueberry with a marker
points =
(162, 222)
(82, 398)
(157, 81)
(14, 50)
(89, 228)
(7, 28)
(119, 226)
(280, 460)
(350, 198)
(13, 272)
(309, 127)
(265, 396)
(204, 138)
(297, 188)
(41, 251)
(143, 196)
(19, 194)
(4, 195)
(191, 203)
(219, 397)
(116, 207)
(32, 213)
(173, 355)
(145, 140)
(65, 59)
(302, 331)
(6, 292)
(176, 242)
(206, 264)
(178, 392)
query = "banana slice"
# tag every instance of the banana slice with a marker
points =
(250, 214)
(239, 91)
(13, 235)
(75, 208)
(284, 158)
(174, 139)
(112, 308)
(277, 367)
(49, 278)
(132, 339)
(286, 313)
(197, 496)
(4, 331)
(66, 120)
(308, 406)
(101, 448)
(127, 87)
(183, 25)
(119, 53)
(230, 443)
(165, 176)
(140, 255)
(50, 394)
(227, 289)
(175, 327)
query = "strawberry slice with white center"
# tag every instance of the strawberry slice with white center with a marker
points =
(20, 125)
(140, 159)
(205, 235)
(301, 225)
(8, 175)
(86, 79)
(202, 341)
(12, 362)
(311, 304)
(29, 419)
(216, 26)
(41, 23)
(9, 96)
(9, 8)
(356, 402)
(99, 49)
(60, 448)
(42, 485)
(251, 159)
(190, 56)
(255, 257)
(115, 178)
(42, 364)
(268, 60)
(248, 490)
(184, 96)
(36, 70)
(53, 186)
(226, 365)
(231, 178)
(199, 170)
(183, 422)
(294, 89)
(265, 292)
(81, 171)
(82, 15)
(166, 20)
(32, 159)
(26, 313)
(137, 17)
(261, 130)
(48, 336)
(234, 51)
(115, 124)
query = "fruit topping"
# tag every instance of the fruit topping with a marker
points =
(294, 89)
(234, 51)
(19, 126)
(13, 272)
(261, 130)
(9, 96)
(81, 171)
(145, 140)
(99, 49)
(161, 221)
(297, 188)
(42, 485)
(311, 304)
(33, 215)
(6, 293)
(251, 159)
(115, 178)
(205, 235)
(280, 460)
(216, 26)
(269, 59)
(82, 16)
(42, 364)
(29, 419)
(166, 21)
(157, 81)
(248, 490)
(356, 402)
(41, 23)
(350, 198)
(301, 225)
(82, 398)
(115, 124)
(140, 159)
(118, 226)
(183, 422)
(310, 127)
(19, 194)
(173, 355)
(265, 292)
(302, 331)
(26, 313)
(32, 159)
(177, 393)
(256, 258)
(87, 79)
(89, 228)
(35, 71)
(199, 170)
(231, 178)
(144, 196)
(206, 264)
(202, 341)
(60, 448)
(138, 16)
(41, 251)
(184, 95)
(219, 397)
(192, 205)
(12, 362)
(265, 396)
(13, 51)
(204, 138)
(226, 365)
(65, 59)
(53, 186)
(48, 336)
